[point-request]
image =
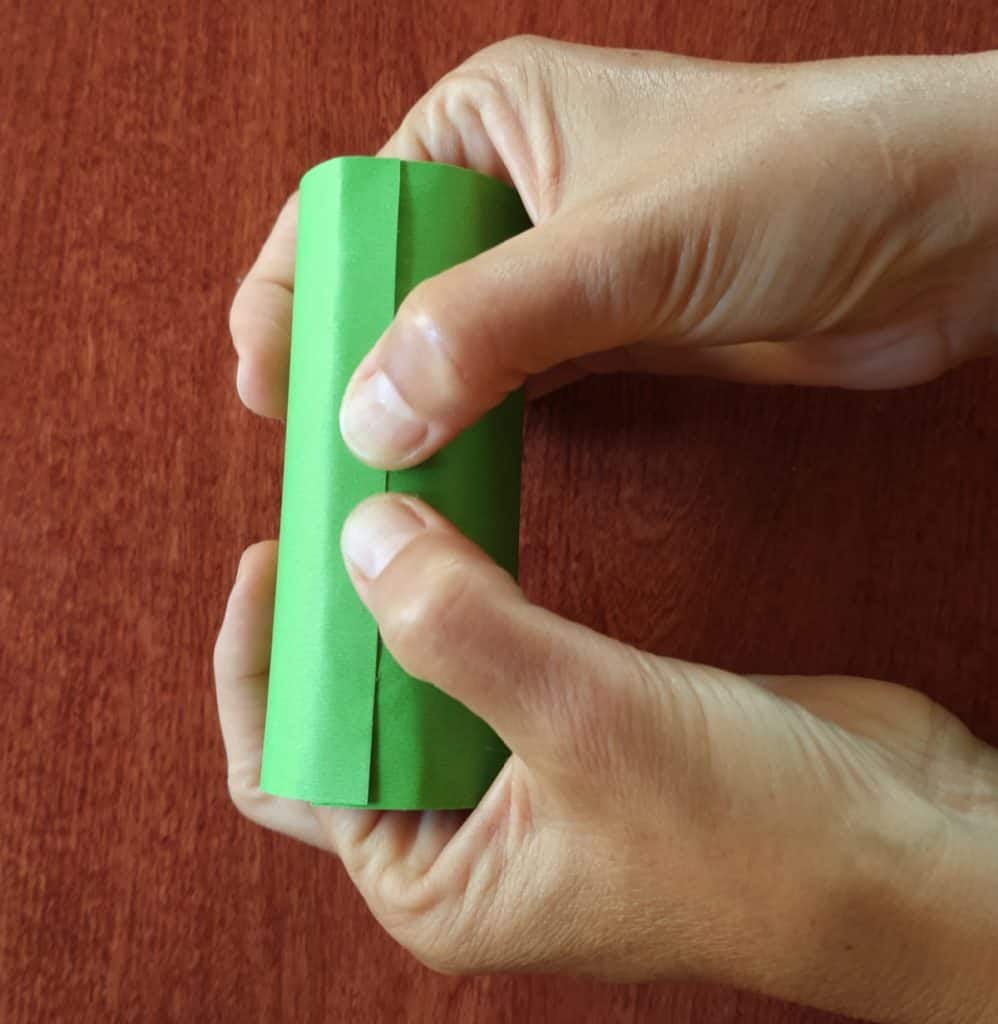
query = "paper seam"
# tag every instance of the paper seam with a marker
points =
(379, 643)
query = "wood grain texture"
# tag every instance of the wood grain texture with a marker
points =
(144, 151)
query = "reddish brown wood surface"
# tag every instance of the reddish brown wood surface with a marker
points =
(143, 152)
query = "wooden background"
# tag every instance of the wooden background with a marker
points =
(144, 150)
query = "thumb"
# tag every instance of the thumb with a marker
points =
(454, 618)
(461, 341)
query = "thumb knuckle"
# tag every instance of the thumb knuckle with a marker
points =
(444, 339)
(427, 623)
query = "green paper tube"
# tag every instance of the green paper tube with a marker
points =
(345, 724)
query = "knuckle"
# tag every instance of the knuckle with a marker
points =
(429, 621)
(424, 309)
(463, 352)
(474, 83)
(219, 654)
(237, 317)
(470, 93)
(244, 308)
(494, 80)
(514, 50)
(430, 314)
(497, 82)
(244, 797)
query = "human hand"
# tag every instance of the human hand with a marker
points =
(831, 841)
(833, 223)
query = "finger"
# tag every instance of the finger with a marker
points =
(447, 132)
(461, 341)
(260, 319)
(409, 842)
(242, 661)
(452, 617)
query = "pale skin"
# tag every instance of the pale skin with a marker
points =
(832, 841)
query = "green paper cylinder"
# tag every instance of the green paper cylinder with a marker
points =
(345, 724)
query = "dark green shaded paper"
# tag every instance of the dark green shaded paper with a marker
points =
(345, 724)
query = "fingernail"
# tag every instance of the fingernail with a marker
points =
(377, 422)
(376, 532)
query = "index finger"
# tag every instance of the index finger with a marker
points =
(260, 319)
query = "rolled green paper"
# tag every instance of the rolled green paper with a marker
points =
(345, 724)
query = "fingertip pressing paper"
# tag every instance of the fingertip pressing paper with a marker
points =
(345, 724)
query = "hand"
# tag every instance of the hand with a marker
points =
(832, 841)
(828, 840)
(833, 223)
